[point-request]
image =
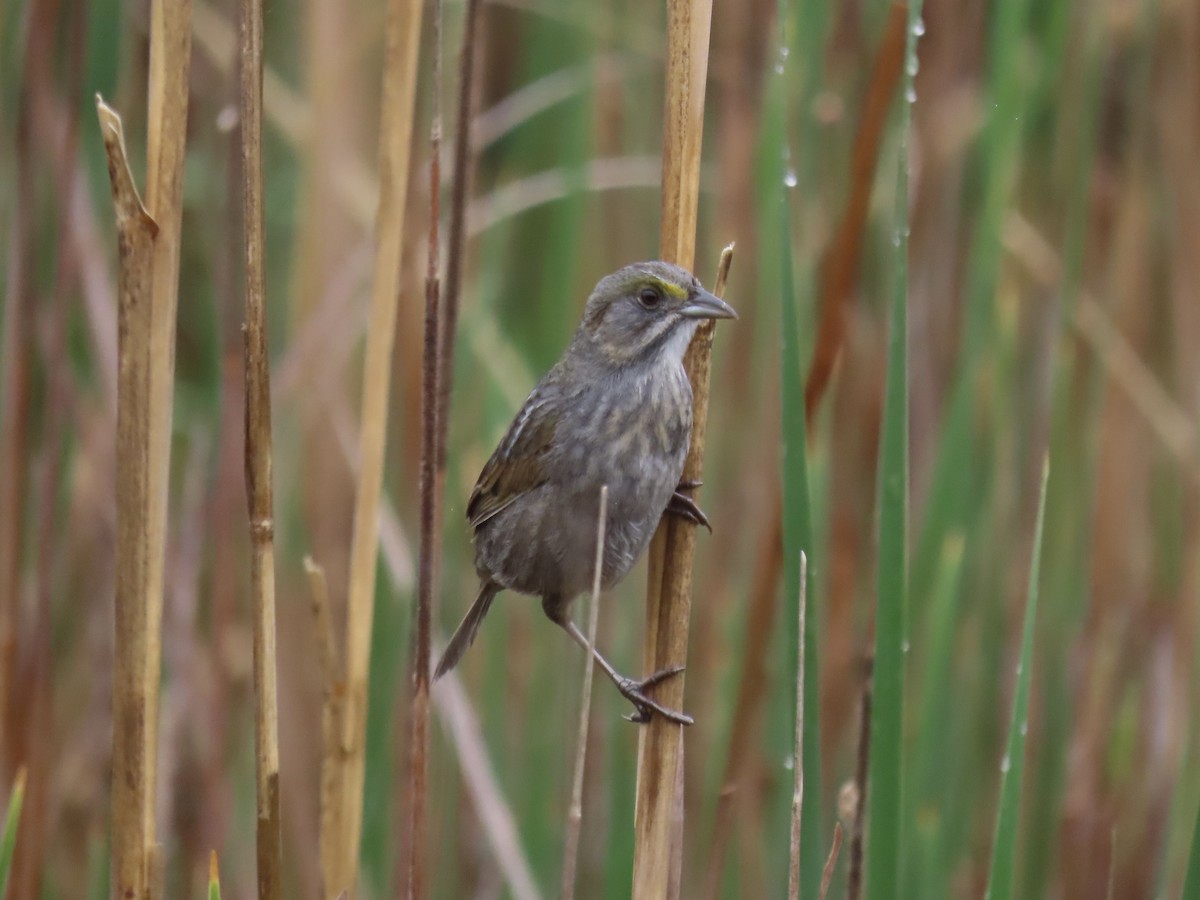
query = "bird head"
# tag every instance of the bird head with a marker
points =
(646, 311)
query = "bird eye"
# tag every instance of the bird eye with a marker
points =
(649, 297)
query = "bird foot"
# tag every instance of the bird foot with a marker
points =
(645, 707)
(685, 507)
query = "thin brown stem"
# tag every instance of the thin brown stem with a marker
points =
(798, 751)
(831, 861)
(399, 92)
(455, 244)
(259, 488)
(855, 879)
(575, 812)
(430, 504)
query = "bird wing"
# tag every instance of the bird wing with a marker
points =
(516, 467)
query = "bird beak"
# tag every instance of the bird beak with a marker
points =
(704, 305)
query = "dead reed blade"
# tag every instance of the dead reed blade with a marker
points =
(259, 490)
(403, 29)
(147, 296)
(669, 587)
(332, 710)
(831, 861)
(575, 813)
(798, 751)
(854, 880)
(133, 689)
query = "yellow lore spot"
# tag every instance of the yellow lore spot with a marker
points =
(673, 290)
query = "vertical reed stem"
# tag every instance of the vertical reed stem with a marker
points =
(259, 493)
(403, 29)
(455, 244)
(133, 690)
(669, 588)
(148, 240)
(427, 576)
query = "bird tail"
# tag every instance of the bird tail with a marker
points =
(464, 634)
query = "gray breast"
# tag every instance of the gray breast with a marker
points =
(631, 434)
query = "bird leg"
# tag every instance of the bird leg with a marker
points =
(631, 690)
(685, 507)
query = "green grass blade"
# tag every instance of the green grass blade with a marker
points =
(214, 877)
(934, 749)
(797, 500)
(9, 839)
(884, 782)
(1191, 881)
(797, 536)
(1001, 877)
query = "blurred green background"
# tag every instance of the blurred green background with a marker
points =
(1053, 302)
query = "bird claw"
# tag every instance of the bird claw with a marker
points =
(686, 508)
(644, 707)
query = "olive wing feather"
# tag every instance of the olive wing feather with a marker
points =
(516, 466)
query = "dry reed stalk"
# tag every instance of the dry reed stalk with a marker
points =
(658, 815)
(575, 812)
(133, 691)
(259, 492)
(327, 238)
(455, 244)
(332, 712)
(831, 861)
(344, 830)
(430, 503)
(668, 591)
(166, 139)
(798, 751)
(156, 877)
(143, 436)
(854, 880)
